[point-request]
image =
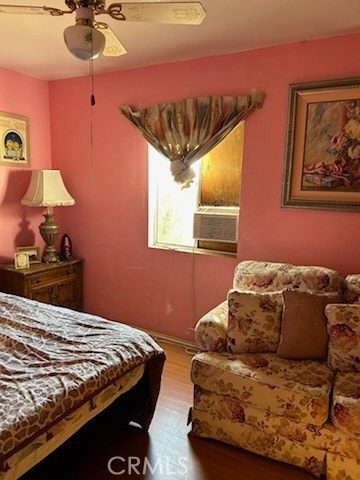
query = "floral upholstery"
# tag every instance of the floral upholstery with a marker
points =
(352, 289)
(270, 445)
(210, 331)
(270, 277)
(345, 410)
(344, 337)
(298, 389)
(254, 322)
(277, 407)
(339, 467)
(326, 437)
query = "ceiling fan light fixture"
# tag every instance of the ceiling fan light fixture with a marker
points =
(84, 42)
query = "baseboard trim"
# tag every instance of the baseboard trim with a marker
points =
(162, 337)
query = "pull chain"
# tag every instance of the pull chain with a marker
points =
(91, 67)
(92, 96)
(92, 104)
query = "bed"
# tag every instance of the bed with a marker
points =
(60, 368)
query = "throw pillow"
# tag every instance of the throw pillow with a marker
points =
(254, 321)
(303, 328)
(343, 326)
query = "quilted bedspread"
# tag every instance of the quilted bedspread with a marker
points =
(52, 360)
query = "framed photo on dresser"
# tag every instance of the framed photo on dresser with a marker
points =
(33, 253)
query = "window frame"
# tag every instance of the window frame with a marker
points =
(199, 246)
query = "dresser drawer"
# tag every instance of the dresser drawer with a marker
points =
(53, 276)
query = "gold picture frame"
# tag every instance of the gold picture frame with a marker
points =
(322, 154)
(33, 253)
(14, 140)
(21, 260)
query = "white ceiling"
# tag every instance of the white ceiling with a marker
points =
(33, 44)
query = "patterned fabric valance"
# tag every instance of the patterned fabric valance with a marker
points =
(187, 130)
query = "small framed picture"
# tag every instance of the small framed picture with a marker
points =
(14, 140)
(33, 253)
(21, 260)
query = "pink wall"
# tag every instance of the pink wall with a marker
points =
(27, 96)
(151, 288)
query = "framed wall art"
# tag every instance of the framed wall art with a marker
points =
(14, 140)
(322, 154)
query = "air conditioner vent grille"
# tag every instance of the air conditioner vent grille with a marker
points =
(216, 226)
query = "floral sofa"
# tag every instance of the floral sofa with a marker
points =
(279, 368)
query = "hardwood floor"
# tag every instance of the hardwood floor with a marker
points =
(166, 452)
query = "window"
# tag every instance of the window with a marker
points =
(171, 208)
(216, 185)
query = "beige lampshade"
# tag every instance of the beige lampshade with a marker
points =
(47, 189)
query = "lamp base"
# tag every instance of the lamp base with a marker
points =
(49, 231)
(50, 257)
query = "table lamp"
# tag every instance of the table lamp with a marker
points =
(47, 189)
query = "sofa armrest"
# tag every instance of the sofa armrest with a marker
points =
(211, 329)
(343, 327)
(352, 288)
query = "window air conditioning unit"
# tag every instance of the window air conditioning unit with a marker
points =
(217, 224)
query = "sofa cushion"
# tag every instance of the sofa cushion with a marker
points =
(343, 327)
(345, 409)
(326, 437)
(269, 445)
(271, 276)
(254, 322)
(303, 326)
(298, 389)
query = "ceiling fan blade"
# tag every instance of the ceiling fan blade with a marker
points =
(113, 47)
(32, 10)
(187, 13)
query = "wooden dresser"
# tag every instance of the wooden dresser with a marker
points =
(58, 283)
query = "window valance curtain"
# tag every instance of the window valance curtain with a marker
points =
(187, 130)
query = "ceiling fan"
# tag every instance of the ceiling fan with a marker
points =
(88, 38)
